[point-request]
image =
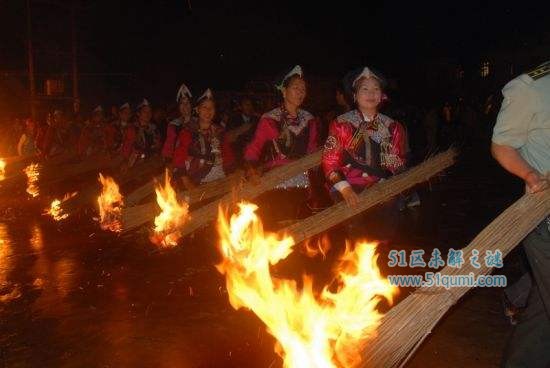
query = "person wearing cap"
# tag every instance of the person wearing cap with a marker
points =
(285, 133)
(160, 121)
(141, 138)
(112, 131)
(198, 153)
(121, 123)
(521, 145)
(185, 109)
(363, 145)
(113, 113)
(92, 136)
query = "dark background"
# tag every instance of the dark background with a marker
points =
(132, 49)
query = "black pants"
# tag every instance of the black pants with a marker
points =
(529, 345)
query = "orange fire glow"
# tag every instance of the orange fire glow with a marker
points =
(322, 247)
(110, 204)
(56, 211)
(2, 169)
(319, 329)
(33, 172)
(174, 214)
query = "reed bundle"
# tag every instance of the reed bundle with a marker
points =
(89, 193)
(136, 216)
(204, 191)
(376, 194)
(406, 326)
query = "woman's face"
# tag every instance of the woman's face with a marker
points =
(206, 111)
(246, 107)
(97, 117)
(368, 94)
(295, 92)
(184, 107)
(145, 114)
(125, 114)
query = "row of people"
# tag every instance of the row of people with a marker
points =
(362, 147)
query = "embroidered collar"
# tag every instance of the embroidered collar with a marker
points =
(355, 118)
(295, 125)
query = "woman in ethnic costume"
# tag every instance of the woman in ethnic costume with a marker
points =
(283, 135)
(185, 109)
(197, 154)
(364, 145)
(92, 135)
(141, 139)
(117, 127)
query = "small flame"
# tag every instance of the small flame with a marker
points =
(56, 211)
(313, 329)
(110, 204)
(33, 173)
(174, 215)
(14, 294)
(322, 247)
(2, 169)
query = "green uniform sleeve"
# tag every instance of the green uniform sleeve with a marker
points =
(516, 112)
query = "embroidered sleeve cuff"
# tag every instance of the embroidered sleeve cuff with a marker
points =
(341, 185)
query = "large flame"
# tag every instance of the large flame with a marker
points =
(110, 204)
(174, 214)
(56, 211)
(33, 172)
(2, 169)
(313, 329)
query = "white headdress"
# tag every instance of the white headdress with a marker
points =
(143, 104)
(183, 91)
(367, 73)
(296, 70)
(206, 95)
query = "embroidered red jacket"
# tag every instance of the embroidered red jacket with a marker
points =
(110, 134)
(172, 132)
(92, 139)
(196, 152)
(360, 153)
(140, 140)
(128, 140)
(279, 139)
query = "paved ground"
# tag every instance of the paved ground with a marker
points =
(72, 296)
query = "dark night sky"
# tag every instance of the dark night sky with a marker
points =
(225, 43)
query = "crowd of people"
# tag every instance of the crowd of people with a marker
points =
(199, 143)
(361, 145)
